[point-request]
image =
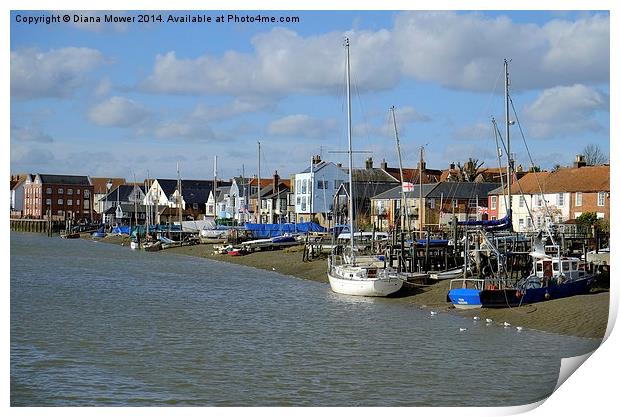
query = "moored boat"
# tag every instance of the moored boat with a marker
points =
(552, 278)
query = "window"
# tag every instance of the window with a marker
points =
(48, 190)
(298, 200)
(70, 191)
(600, 215)
(60, 202)
(77, 202)
(560, 200)
(455, 203)
(86, 193)
(565, 266)
(431, 203)
(61, 191)
(578, 199)
(556, 267)
(521, 224)
(69, 202)
(539, 201)
(529, 222)
(61, 213)
(77, 191)
(303, 203)
(48, 201)
(494, 202)
(86, 204)
(601, 199)
(298, 186)
(521, 201)
(322, 184)
(304, 184)
(538, 221)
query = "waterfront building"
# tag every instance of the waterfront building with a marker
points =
(17, 194)
(59, 196)
(387, 212)
(274, 197)
(315, 188)
(102, 186)
(555, 197)
(367, 183)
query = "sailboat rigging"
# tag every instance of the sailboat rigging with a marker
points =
(353, 275)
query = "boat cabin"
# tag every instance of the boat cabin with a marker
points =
(570, 268)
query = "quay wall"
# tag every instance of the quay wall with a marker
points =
(48, 227)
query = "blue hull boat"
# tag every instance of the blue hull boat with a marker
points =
(514, 297)
(465, 293)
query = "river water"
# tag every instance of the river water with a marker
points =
(94, 324)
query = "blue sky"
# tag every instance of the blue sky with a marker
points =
(112, 100)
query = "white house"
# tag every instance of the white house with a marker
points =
(315, 188)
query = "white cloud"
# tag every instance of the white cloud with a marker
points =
(118, 112)
(466, 50)
(56, 73)
(457, 50)
(565, 110)
(302, 125)
(282, 63)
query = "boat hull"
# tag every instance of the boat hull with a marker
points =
(465, 298)
(514, 297)
(379, 287)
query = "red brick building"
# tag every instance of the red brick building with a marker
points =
(61, 196)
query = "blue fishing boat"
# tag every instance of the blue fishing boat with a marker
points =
(552, 278)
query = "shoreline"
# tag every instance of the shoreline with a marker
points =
(580, 316)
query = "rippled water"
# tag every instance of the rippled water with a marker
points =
(98, 324)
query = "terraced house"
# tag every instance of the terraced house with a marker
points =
(58, 196)
(556, 197)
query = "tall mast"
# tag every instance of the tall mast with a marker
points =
(400, 165)
(507, 116)
(179, 201)
(349, 133)
(258, 206)
(214, 186)
(420, 207)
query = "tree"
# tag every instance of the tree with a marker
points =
(469, 171)
(594, 155)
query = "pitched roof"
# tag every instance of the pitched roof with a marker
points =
(412, 174)
(319, 166)
(395, 193)
(584, 179)
(462, 190)
(99, 184)
(372, 175)
(121, 192)
(64, 179)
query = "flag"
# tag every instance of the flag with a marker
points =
(407, 187)
(483, 210)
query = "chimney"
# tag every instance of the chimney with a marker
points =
(580, 161)
(383, 165)
(422, 165)
(369, 163)
(276, 180)
(316, 159)
(339, 164)
(452, 166)
(519, 168)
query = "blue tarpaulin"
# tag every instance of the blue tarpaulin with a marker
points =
(263, 231)
(121, 230)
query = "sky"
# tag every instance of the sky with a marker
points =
(123, 99)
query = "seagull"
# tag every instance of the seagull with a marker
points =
(476, 318)
(519, 328)
(506, 324)
(462, 329)
(272, 268)
(489, 320)
(433, 313)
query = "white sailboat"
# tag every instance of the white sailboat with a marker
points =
(348, 275)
